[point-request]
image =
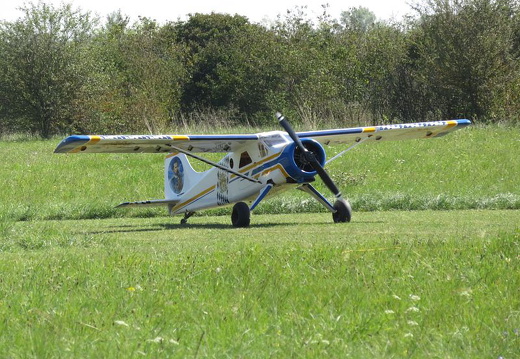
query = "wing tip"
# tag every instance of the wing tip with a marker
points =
(462, 122)
(71, 142)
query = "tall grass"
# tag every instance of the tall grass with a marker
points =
(392, 284)
(475, 168)
(441, 284)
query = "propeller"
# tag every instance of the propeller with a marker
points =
(309, 156)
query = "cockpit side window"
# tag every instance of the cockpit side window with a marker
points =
(245, 159)
(262, 149)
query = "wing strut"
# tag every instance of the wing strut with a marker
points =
(317, 195)
(215, 164)
(358, 142)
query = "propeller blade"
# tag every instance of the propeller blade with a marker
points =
(309, 156)
(288, 128)
(327, 180)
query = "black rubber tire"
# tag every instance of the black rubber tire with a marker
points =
(241, 215)
(343, 211)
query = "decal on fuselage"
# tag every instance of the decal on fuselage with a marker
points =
(176, 175)
(223, 183)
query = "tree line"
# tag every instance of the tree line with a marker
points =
(63, 70)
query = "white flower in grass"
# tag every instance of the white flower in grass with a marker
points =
(414, 297)
(412, 323)
(466, 293)
(389, 311)
(412, 310)
(156, 340)
(122, 323)
(408, 335)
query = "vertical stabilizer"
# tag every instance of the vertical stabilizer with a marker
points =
(179, 176)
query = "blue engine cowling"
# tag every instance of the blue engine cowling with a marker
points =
(295, 163)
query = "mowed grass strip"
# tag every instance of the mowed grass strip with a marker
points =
(390, 284)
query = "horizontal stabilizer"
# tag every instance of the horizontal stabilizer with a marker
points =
(152, 203)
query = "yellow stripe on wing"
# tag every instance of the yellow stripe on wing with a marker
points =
(93, 140)
(451, 123)
(180, 138)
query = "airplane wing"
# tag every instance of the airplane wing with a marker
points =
(405, 131)
(152, 143)
(230, 143)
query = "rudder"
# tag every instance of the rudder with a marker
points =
(179, 176)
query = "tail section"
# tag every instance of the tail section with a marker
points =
(179, 176)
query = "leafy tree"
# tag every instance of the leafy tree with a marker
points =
(139, 76)
(380, 52)
(60, 72)
(358, 19)
(340, 72)
(44, 67)
(207, 39)
(314, 65)
(463, 55)
(250, 76)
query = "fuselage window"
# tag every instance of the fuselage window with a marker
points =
(262, 149)
(245, 159)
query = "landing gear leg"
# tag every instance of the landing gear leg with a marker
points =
(186, 216)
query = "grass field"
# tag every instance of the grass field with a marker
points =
(441, 284)
(429, 267)
(475, 168)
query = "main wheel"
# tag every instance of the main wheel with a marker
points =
(241, 215)
(343, 211)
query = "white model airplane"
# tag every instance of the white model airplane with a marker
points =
(255, 166)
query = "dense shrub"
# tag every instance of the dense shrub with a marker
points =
(63, 70)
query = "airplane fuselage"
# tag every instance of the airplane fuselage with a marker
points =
(272, 160)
